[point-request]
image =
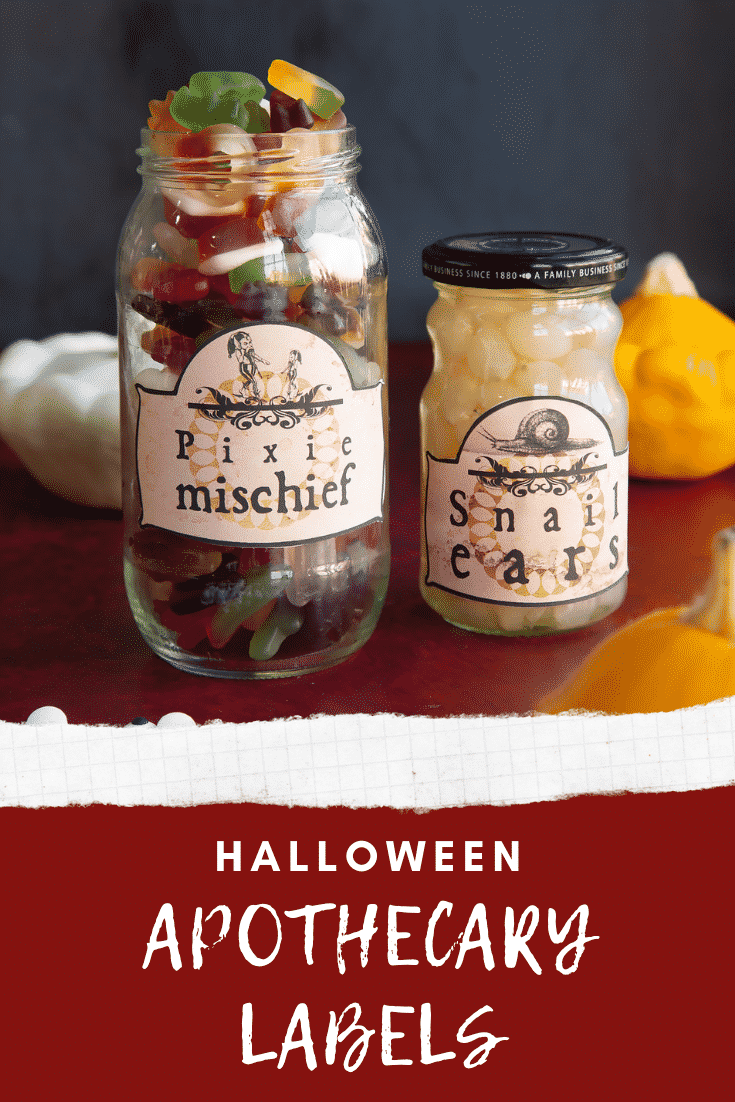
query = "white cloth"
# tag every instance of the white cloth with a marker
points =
(60, 413)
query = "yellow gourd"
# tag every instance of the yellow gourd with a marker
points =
(673, 658)
(676, 362)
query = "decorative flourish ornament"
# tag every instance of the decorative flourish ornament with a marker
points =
(252, 410)
(551, 479)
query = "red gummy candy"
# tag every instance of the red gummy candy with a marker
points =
(169, 282)
(191, 629)
(253, 559)
(187, 285)
(220, 285)
(174, 353)
(190, 225)
(167, 347)
(238, 233)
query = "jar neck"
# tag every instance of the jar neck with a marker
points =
(297, 157)
(518, 294)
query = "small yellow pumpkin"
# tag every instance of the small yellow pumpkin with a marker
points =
(676, 362)
(672, 658)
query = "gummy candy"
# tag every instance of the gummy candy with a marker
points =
(343, 601)
(191, 320)
(261, 301)
(167, 347)
(161, 118)
(283, 621)
(234, 243)
(288, 206)
(267, 142)
(190, 630)
(208, 201)
(169, 282)
(220, 98)
(260, 590)
(320, 97)
(287, 112)
(189, 225)
(334, 122)
(183, 320)
(279, 118)
(251, 558)
(313, 566)
(231, 141)
(335, 317)
(169, 556)
(156, 378)
(252, 271)
(181, 249)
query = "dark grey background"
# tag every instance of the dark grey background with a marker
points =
(596, 116)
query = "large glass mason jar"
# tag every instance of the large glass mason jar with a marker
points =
(252, 284)
(524, 434)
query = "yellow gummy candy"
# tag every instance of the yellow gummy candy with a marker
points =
(319, 96)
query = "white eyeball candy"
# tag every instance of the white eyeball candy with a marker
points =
(585, 363)
(544, 377)
(510, 618)
(176, 719)
(537, 336)
(43, 717)
(489, 355)
(577, 615)
(592, 325)
(461, 399)
(449, 326)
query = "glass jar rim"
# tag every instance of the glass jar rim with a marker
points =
(305, 154)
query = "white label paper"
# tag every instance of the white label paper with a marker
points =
(533, 510)
(263, 442)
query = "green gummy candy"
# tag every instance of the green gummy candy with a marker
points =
(252, 271)
(291, 270)
(247, 114)
(283, 621)
(204, 84)
(212, 98)
(261, 588)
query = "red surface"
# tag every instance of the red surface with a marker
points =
(645, 1016)
(69, 639)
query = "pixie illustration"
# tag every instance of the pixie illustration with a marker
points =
(292, 372)
(240, 345)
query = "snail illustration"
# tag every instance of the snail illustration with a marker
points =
(543, 432)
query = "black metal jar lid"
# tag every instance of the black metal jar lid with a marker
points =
(530, 260)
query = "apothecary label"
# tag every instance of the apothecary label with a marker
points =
(265, 441)
(533, 509)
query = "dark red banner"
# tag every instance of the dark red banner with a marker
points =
(576, 949)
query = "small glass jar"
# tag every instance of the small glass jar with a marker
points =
(253, 354)
(524, 434)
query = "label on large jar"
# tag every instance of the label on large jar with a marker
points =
(534, 508)
(265, 441)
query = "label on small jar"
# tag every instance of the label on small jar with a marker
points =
(265, 441)
(534, 508)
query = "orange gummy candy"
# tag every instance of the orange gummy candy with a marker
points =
(161, 117)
